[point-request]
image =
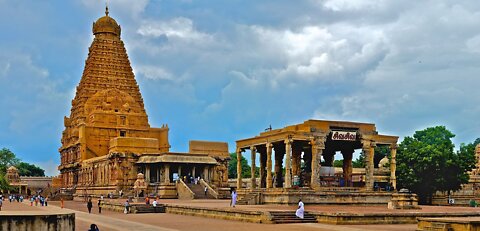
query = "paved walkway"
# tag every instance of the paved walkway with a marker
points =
(164, 221)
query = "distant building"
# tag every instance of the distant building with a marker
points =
(27, 185)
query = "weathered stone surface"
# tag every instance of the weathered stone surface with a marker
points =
(33, 220)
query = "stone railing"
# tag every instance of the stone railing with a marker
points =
(184, 192)
(210, 189)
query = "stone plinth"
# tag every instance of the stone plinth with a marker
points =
(36, 220)
(404, 200)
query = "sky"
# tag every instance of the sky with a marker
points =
(226, 70)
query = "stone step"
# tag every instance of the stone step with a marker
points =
(285, 217)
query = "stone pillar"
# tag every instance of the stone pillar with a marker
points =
(288, 163)
(253, 167)
(263, 163)
(269, 165)
(393, 165)
(296, 159)
(193, 171)
(205, 174)
(347, 165)
(369, 151)
(239, 168)
(147, 173)
(180, 171)
(279, 152)
(318, 144)
(167, 173)
(158, 174)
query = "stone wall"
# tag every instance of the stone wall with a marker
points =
(27, 221)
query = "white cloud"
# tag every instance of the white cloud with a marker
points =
(353, 5)
(176, 29)
(154, 73)
(119, 7)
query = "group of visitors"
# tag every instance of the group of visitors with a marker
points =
(38, 199)
(18, 198)
(99, 204)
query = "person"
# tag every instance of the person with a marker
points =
(147, 201)
(234, 198)
(154, 204)
(46, 201)
(61, 202)
(101, 197)
(301, 210)
(1, 203)
(206, 189)
(89, 205)
(93, 227)
(127, 205)
(121, 193)
(99, 205)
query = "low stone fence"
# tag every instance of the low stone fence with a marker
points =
(34, 220)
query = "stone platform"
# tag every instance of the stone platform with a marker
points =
(449, 223)
(36, 220)
(328, 214)
(327, 196)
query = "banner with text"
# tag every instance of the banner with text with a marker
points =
(343, 135)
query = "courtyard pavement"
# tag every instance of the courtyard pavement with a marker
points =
(109, 220)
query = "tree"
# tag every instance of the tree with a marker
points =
(7, 158)
(232, 167)
(427, 163)
(26, 169)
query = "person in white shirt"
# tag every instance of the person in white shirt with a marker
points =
(301, 210)
(154, 204)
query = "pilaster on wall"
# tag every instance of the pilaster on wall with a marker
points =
(369, 150)
(318, 145)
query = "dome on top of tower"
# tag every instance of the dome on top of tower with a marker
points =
(106, 24)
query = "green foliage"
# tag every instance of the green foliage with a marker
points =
(338, 163)
(427, 163)
(4, 186)
(26, 169)
(7, 159)
(359, 162)
(232, 167)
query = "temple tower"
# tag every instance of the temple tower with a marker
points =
(107, 114)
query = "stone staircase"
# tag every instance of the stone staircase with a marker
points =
(199, 191)
(285, 217)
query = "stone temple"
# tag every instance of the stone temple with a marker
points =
(108, 140)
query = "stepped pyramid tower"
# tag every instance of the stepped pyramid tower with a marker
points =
(108, 120)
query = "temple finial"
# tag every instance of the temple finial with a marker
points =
(106, 8)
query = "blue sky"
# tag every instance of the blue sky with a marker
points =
(226, 70)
